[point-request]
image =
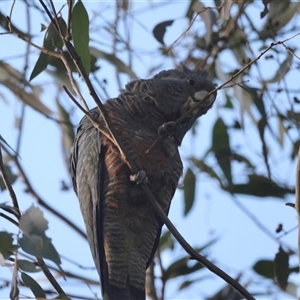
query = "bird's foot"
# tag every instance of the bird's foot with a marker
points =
(168, 128)
(140, 177)
(167, 131)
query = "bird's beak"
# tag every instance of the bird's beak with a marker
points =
(202, 102)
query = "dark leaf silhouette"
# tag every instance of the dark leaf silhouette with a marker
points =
(160, 30)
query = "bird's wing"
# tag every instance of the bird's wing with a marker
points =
(85, 172)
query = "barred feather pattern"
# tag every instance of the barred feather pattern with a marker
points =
(122, 227)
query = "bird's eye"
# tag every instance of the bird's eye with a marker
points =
(191, 81)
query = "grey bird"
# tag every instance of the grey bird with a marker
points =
(123, 228)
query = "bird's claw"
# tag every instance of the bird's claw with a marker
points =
(169, 128)
(169, 146)
(140, 177)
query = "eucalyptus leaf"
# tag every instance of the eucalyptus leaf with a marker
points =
(80, 33)
(281, 268)
(221, 148)
(265, 268)
(27, 266)
(36, 289)
(160, 30)
(189, 186)
(6, 245)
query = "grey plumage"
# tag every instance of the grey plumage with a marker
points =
(122, 227)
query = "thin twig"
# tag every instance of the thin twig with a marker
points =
(8, 185)
(52, 53)
(50, 277)
(25, 68)
(297, 200)
(14, 291)
(73, 82)
(8, 218)
(70, 7)
(87, 113)
(150, 283)
(192, 22)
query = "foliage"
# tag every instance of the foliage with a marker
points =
(249, 48)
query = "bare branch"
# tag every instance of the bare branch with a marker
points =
(52, 53)
(8, 218)
(297, 200)
(8, 185)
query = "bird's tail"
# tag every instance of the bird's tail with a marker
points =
(128, 293)
(124, 294)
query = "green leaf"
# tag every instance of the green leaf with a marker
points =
(6, 245)
(190, 12)
(39, 246)
(52, 38)
(181, 268)
(260, 186)
(36, 289)
(227, 293)
(80, 33)
(281, 267)
(27, 266)
(266, 10)
(257, 98)
(189, 186)
(203, 167)
(40, 65)
(241, 158)
(34, 240)
(59, 65)
(295, 149)
(228, 103)
(221, 148)
(166, 241)
(160, 30)
(261, 128)
(33, 221)
(43, 27)
(264, 268)
(186, 284)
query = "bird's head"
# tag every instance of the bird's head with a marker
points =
(179, 90)
(183, 94)
(178, 94)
